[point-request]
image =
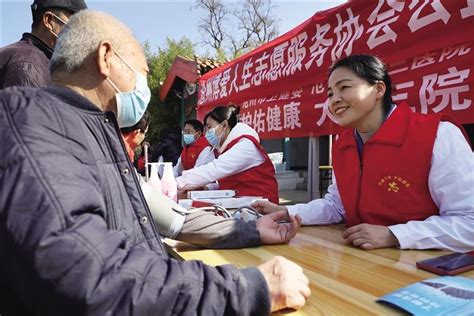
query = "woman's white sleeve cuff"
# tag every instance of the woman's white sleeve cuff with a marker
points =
(405, 239)
(292, 209)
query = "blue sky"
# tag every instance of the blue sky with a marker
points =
(154, 20)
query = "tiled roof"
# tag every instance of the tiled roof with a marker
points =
(203, 64)
(206, 64)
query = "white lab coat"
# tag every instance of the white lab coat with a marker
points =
(242, 156)
(206, 156)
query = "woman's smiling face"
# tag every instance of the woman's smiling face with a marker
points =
(354, 101)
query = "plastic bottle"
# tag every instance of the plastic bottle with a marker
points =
(154, 180)
(168, 182)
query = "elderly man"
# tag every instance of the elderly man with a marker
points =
(25, 63)
(75, 232)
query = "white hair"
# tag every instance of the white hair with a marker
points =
(81, 37)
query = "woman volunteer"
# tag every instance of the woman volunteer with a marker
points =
(403, 179)
(242, 165)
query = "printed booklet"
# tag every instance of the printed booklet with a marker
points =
(445, 295)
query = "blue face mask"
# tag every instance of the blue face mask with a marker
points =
(212, 138)
(132, 105)
(188, 139)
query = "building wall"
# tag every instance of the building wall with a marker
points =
(298, 151)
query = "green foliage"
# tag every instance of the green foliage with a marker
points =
(164, 114)
(160, 62)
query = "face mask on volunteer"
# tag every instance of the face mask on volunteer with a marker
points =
(132, 105)
(212, 138)
(188, 139)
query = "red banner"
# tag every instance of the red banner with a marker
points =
(281, 86)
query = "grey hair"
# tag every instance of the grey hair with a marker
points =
(81, 37)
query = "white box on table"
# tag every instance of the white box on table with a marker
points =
(210, 194)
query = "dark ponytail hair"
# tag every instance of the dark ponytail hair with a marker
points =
(371, 69)
(223, 113)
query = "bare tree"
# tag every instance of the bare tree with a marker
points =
(237, 27)
(256, 20)
(212, 24)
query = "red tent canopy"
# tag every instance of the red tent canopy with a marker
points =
(281, 86)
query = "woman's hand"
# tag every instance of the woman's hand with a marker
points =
(182, 195)
(266, 207)
(367, 236)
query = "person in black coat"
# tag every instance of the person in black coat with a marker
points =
(25, 63)
(168, 146)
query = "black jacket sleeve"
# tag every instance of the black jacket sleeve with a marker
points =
(25, 74)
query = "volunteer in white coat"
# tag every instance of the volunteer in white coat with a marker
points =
(242, 164)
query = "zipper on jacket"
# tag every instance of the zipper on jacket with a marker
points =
(132, 168)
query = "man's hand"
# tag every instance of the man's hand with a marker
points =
(368, 236)
(266, 207)
(288, 286)
(272, 232)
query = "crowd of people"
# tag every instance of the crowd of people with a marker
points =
(76, 232)
(83, 242)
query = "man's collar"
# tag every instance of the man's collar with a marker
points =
(40, 44)
(71, 97)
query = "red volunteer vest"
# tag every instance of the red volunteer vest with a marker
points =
(190, 153)
(389, 185)
(256, 181)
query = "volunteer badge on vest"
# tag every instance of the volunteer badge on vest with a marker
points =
(393, 183)
(193, 156)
